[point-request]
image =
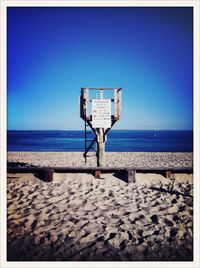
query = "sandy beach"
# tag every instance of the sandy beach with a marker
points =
(79, 218)
(122, 159)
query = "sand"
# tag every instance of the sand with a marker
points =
(79, 218)
(127, 159)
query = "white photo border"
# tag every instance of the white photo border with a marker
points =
(4, 4)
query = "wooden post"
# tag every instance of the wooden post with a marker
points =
(115, 104)
(97, 174)
(48, 174)
(100, 145)
(119, 103)
(100, 142)
(168, 174)
(131, 175)
(100, 149)
(86, 103)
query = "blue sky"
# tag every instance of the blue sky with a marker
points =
(53, 52)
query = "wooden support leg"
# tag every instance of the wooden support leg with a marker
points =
(131, 175)
(168, 174)
(48, 174)
(97, 174)
(100, 149)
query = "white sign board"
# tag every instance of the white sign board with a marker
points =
(101, 113)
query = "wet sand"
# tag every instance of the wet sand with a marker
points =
(79, 218)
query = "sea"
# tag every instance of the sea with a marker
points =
(117, 141)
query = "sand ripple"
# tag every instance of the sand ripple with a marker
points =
(73, 219)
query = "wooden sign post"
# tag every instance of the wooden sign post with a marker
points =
(100, 120)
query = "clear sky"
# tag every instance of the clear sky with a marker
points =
(53, 52)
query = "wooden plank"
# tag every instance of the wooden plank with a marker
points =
(46, 173)
(119, 103)
(86, 102)
(115, 104)
(98, 88)
(82, 104)
(105, 169)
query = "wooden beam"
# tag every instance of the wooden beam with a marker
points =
(115, 104)
(86, 97)
(130, 173)
(119, 103)
(157, 170)
(82, 104)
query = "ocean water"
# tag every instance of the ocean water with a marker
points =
(117, 141)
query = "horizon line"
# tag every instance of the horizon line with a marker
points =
(123, 129)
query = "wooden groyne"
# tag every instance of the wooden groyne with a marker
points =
(129, 173)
